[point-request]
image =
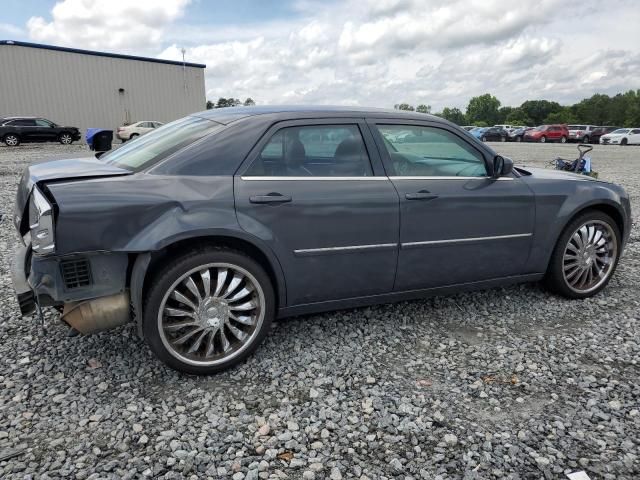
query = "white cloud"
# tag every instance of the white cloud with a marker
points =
(379, 52)
(128, 25)
(9, 29)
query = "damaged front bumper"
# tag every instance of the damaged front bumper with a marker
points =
(91, 287)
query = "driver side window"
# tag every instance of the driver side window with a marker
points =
(417, 151)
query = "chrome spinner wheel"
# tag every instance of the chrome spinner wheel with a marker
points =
(589, 256)
(211, 314)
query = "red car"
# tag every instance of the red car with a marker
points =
(547, 133)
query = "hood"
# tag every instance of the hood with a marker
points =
(65, 169)
(551, 174)
(70, 168)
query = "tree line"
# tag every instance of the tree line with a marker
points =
(230, 102)
(622, 109)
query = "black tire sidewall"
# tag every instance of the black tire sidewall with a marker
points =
(167, 275)
(62, 135)
(554, 278)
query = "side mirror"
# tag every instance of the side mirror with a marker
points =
(502, 166)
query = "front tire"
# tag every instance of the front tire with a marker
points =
(563, 139)
(623, 142)
(65, 139)
(11, 140)
(585, 256)
(543, 139)
(585, 139)
(208, 310)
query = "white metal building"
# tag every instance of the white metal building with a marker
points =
(83, 88)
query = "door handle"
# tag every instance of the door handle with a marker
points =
(272, 197)
(421, 195)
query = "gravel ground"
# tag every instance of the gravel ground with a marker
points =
(505, 383)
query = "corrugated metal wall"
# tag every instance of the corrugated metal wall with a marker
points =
(80, 90)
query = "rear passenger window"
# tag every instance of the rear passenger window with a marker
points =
(315, 150)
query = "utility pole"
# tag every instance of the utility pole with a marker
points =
(184, 72)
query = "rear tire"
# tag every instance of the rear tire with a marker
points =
(563, 139)
(585, 139)
(11, 140)
(208, 310)
(585, 256)
(132, 136)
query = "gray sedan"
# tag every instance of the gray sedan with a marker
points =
(207, 229)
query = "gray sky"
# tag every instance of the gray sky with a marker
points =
(365, 52)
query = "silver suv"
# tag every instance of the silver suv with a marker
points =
(580, 133)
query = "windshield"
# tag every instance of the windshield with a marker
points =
(159, 144)
(621, 130)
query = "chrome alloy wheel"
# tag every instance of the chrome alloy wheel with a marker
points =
(590, 256)
(66, 139)
(11, 140)
(211, 314)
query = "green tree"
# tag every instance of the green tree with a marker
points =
(404, 106)
(484, 109)
(249, 102)
(564, 115)
(422, 108)
(210, 105)
(454, 115)
(517, 117)
(503, 113)
(538, 110)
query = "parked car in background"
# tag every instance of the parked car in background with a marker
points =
(580, 133)
(508, 128)
(494, 134)
(235, 217)
(478, 131)
(127, 132)
(468, 127)
(547, 133)
(517, 134)
(622, 136)
(17, 130)
(599, 131)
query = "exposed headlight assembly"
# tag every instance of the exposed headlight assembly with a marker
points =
(41, 223)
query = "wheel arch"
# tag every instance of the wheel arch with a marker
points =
(600, 205)
(5, 134)
(143, 266)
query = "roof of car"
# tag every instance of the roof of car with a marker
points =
(231, 114)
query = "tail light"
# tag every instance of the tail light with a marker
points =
(41, 223)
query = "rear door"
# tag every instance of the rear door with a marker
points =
(458, 225)
(26, 128)
(316, 193)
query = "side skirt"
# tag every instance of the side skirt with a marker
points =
(356, 302)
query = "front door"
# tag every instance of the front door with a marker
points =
(46, 131)
(458, 224)
(316, 193)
